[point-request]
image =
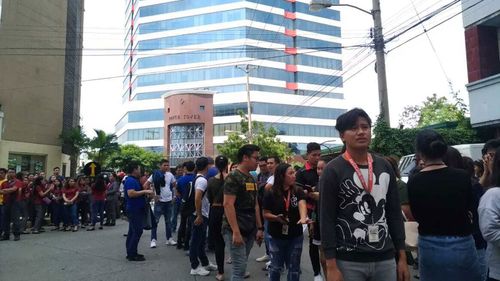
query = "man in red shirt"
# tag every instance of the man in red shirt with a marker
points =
(12, 211)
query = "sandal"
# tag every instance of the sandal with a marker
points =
(219, 277)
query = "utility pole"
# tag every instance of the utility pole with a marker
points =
(378, 40)
(247, 68)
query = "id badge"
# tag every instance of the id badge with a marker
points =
(373, 234)
(284, 229)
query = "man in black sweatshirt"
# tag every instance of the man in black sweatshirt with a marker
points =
(360, 216)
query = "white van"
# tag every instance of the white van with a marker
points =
(407, 162)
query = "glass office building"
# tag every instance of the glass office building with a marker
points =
(295, 57)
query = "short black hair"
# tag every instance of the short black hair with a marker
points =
(348, 119)
(210, 160)
(3, 170)
(248, 150)
(164, 161)
(277, 160)
(20, 176)
(130, 167)
(431, 144)
(189, 165)
(312, 146)
(491, 144)
(56, 168)
(263, 158)
(453, 158)
(201, 163)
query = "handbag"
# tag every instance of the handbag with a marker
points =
(147, 223)
(246, 221)
(411, 233)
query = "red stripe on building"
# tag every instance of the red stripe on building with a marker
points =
(290, 32)
(292, 86)
(291, 1)
(291, 68)
(290, 15)
(291, 51)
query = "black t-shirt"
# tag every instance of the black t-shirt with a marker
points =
(276, 205)
(442, 202)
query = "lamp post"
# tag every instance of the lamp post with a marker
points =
(247, 68)
(379, 44)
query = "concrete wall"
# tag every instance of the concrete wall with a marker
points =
(480, 12)
(484, 98)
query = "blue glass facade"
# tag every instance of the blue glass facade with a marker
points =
(215, 59)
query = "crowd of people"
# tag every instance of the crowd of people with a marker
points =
(352, 207)
(26, 200)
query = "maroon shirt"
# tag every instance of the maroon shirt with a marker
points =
(98, 195)
(70, 192)
(38, 198)
(11, 197)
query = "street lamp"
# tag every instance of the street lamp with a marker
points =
(378, 40)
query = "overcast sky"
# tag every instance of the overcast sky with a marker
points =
(413, 70)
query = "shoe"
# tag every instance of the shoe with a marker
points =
(17, 238)
(153, 244)
(5, 238)
(219, 277)
(25, 232)
(67, 228)
(90, 228)
(264, 258)
(55, 228)
(83, 226)
(211, 267)
(229, 260)
(171, 242)
(187, 253)
(100, 227)
(200, 271)
(35, 232)
(107, 224)
(75, 229)
(136, 258)
(41, 229)
(179, 246)
(247, 275)
(318, 278)
(268, 264)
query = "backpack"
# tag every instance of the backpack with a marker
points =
(188, 197)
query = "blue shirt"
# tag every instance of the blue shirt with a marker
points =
(136, 203)
(183, 183)
(212, 172)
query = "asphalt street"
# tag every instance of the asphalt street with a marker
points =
(100, 255)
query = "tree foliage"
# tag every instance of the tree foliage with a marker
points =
(434, 110)
(149, 160)
(75, 142)
(263, 137)
(102, 146)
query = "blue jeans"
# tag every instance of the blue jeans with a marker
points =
(97, 209)
(448, 258)
(135, 228)
(197, 245)
(239, 254)
(285, 252)
(175, 214)
(70, 215)
(373, 271)
(57, 213)
(267, 237)
(165, 209)
(483, 264)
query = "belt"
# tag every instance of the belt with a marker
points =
(216, 205)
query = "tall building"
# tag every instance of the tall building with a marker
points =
(40, 67)
(482, 36)
(294, 54)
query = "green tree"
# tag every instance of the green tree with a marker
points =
(102, 146)
(263, 137)
(74, 142)
(149, 160)
(434, 110)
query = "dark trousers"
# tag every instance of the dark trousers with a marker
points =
(11, 214)
(57, 213)
(135, 228)
(97, 210)
(175, 214)
(84, 211)
(197, 246)
(111, 208)
(39, 216)
(1, 219)
(314, 256)
(184, 232)
(215, 232)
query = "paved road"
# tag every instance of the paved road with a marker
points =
(100, 255)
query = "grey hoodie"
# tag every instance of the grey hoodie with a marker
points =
(489, 223)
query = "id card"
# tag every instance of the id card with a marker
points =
(373, 234)
(284, 229)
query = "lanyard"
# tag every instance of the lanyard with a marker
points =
(368, 187)
(287, 202)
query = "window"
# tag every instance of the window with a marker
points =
(186, 143)
(202, 108)
(278, 110)
(284, 129)
(27, 163)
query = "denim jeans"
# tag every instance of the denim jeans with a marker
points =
(39, 216)
(97, 209)
(364, 271)
(448, 258)
(285, 252)
(165, 209)
(483, 264)
(57, 213)
(239, 254)
(197, 246)
(135, 229)
(175, 213)
(71, 215)
(267, 237)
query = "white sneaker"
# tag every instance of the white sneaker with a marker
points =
(200, 271)
(171, 242)
(264, 258)
(211, 267)
(318, 278)
(153, 243)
